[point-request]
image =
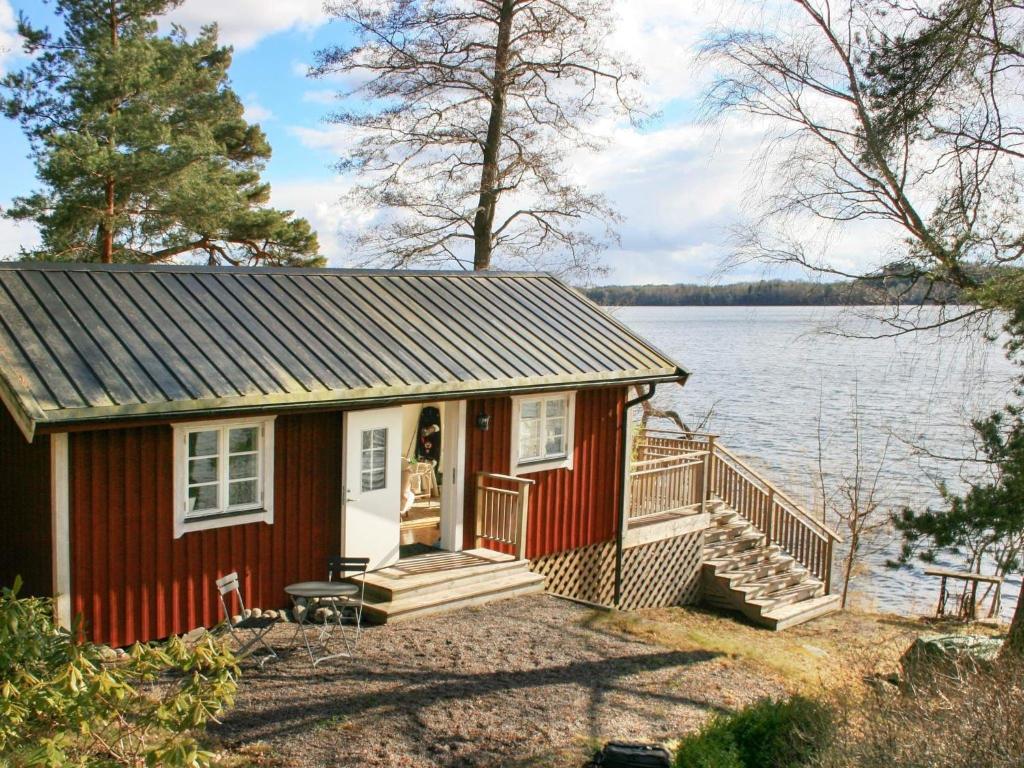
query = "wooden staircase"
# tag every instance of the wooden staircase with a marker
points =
(443, 581)
(743, 571)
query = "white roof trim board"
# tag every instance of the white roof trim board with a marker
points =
(84, 343)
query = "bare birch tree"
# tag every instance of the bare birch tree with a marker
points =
(462, 117)
(903, 115)
(853, 497)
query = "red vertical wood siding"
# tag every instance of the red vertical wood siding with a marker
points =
(133, 581)
(25, 526)
(568, 508)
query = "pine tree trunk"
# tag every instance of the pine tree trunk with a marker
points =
(483, 222)
(107, 227)
(1015, 639)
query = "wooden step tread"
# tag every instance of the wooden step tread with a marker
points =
(805, 610)
(802, 591)
(456, 597)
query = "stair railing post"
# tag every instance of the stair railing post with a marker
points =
(769, 519)
(479, 510)
(707, 476)
(524, 516)
(828, 566)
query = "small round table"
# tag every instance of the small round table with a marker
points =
(330, 592)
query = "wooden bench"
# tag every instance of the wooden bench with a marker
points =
(969, 601)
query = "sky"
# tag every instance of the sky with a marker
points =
(678, 182)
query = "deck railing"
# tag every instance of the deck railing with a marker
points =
(502, 502)
(729, 478)
(673, 482)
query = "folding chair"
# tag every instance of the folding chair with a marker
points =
(248, 633)
(349, 606)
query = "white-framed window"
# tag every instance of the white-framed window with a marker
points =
(223, 474)
(373, 470)
(542, 432)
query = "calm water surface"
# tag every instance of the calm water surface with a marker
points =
(766, 373)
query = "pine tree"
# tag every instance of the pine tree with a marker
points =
(141, 146)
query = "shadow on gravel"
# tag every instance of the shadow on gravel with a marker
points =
(301, 700)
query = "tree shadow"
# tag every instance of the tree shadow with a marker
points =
(300, 700)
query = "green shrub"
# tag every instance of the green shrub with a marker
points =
(67, 703)
(768, 734)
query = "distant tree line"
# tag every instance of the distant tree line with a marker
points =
(865, 291)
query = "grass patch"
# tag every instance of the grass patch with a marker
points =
(832, 652)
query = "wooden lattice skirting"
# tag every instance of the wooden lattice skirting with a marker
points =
(654, 575)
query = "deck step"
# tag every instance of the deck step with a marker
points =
(430, 573)
(794, 593)
(744, 572)
(757, 572)
(743, 543)
(797, 613)
(461, 595)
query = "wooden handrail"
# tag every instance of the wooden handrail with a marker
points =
(502, 514)
(745, 490)
(797, 510)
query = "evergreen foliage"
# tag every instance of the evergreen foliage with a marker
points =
(769, 734)
(141, 146)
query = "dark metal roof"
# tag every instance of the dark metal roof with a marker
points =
(86, 342)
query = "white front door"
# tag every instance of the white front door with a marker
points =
(373, 479)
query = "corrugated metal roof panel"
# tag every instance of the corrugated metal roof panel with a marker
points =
(87, 342)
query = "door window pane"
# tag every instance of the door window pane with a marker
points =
(373, 459)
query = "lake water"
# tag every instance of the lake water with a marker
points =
(766, 373)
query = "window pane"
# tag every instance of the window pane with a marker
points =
(202, 498)
(243, 492)
(241, 440)
(202, 470)
(203, 443)
(555, 445)
(529, 439)
(373, 458)
(555, 408)
(530, 410)
(242, 467)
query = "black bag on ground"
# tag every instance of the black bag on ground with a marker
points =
(619, 754)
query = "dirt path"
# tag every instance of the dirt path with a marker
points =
(531, 681)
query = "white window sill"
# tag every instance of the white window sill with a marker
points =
(543, 465)
(223, 520)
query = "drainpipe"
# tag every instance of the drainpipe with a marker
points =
(621, 532)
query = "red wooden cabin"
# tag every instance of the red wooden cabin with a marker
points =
(164, 425)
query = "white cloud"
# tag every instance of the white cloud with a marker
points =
(16, 235)
(256, 112)
(321, 97)
(243, 23)
(333, 218)
(9, 41)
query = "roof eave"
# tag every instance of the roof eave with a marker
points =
(261, 404)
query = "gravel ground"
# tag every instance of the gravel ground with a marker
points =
(528, 681)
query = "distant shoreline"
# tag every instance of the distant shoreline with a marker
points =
(769, 293)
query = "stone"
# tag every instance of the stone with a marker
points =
(256, 612)
(299, 612)
(272, 615)
(237, 618)
(247, 613)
